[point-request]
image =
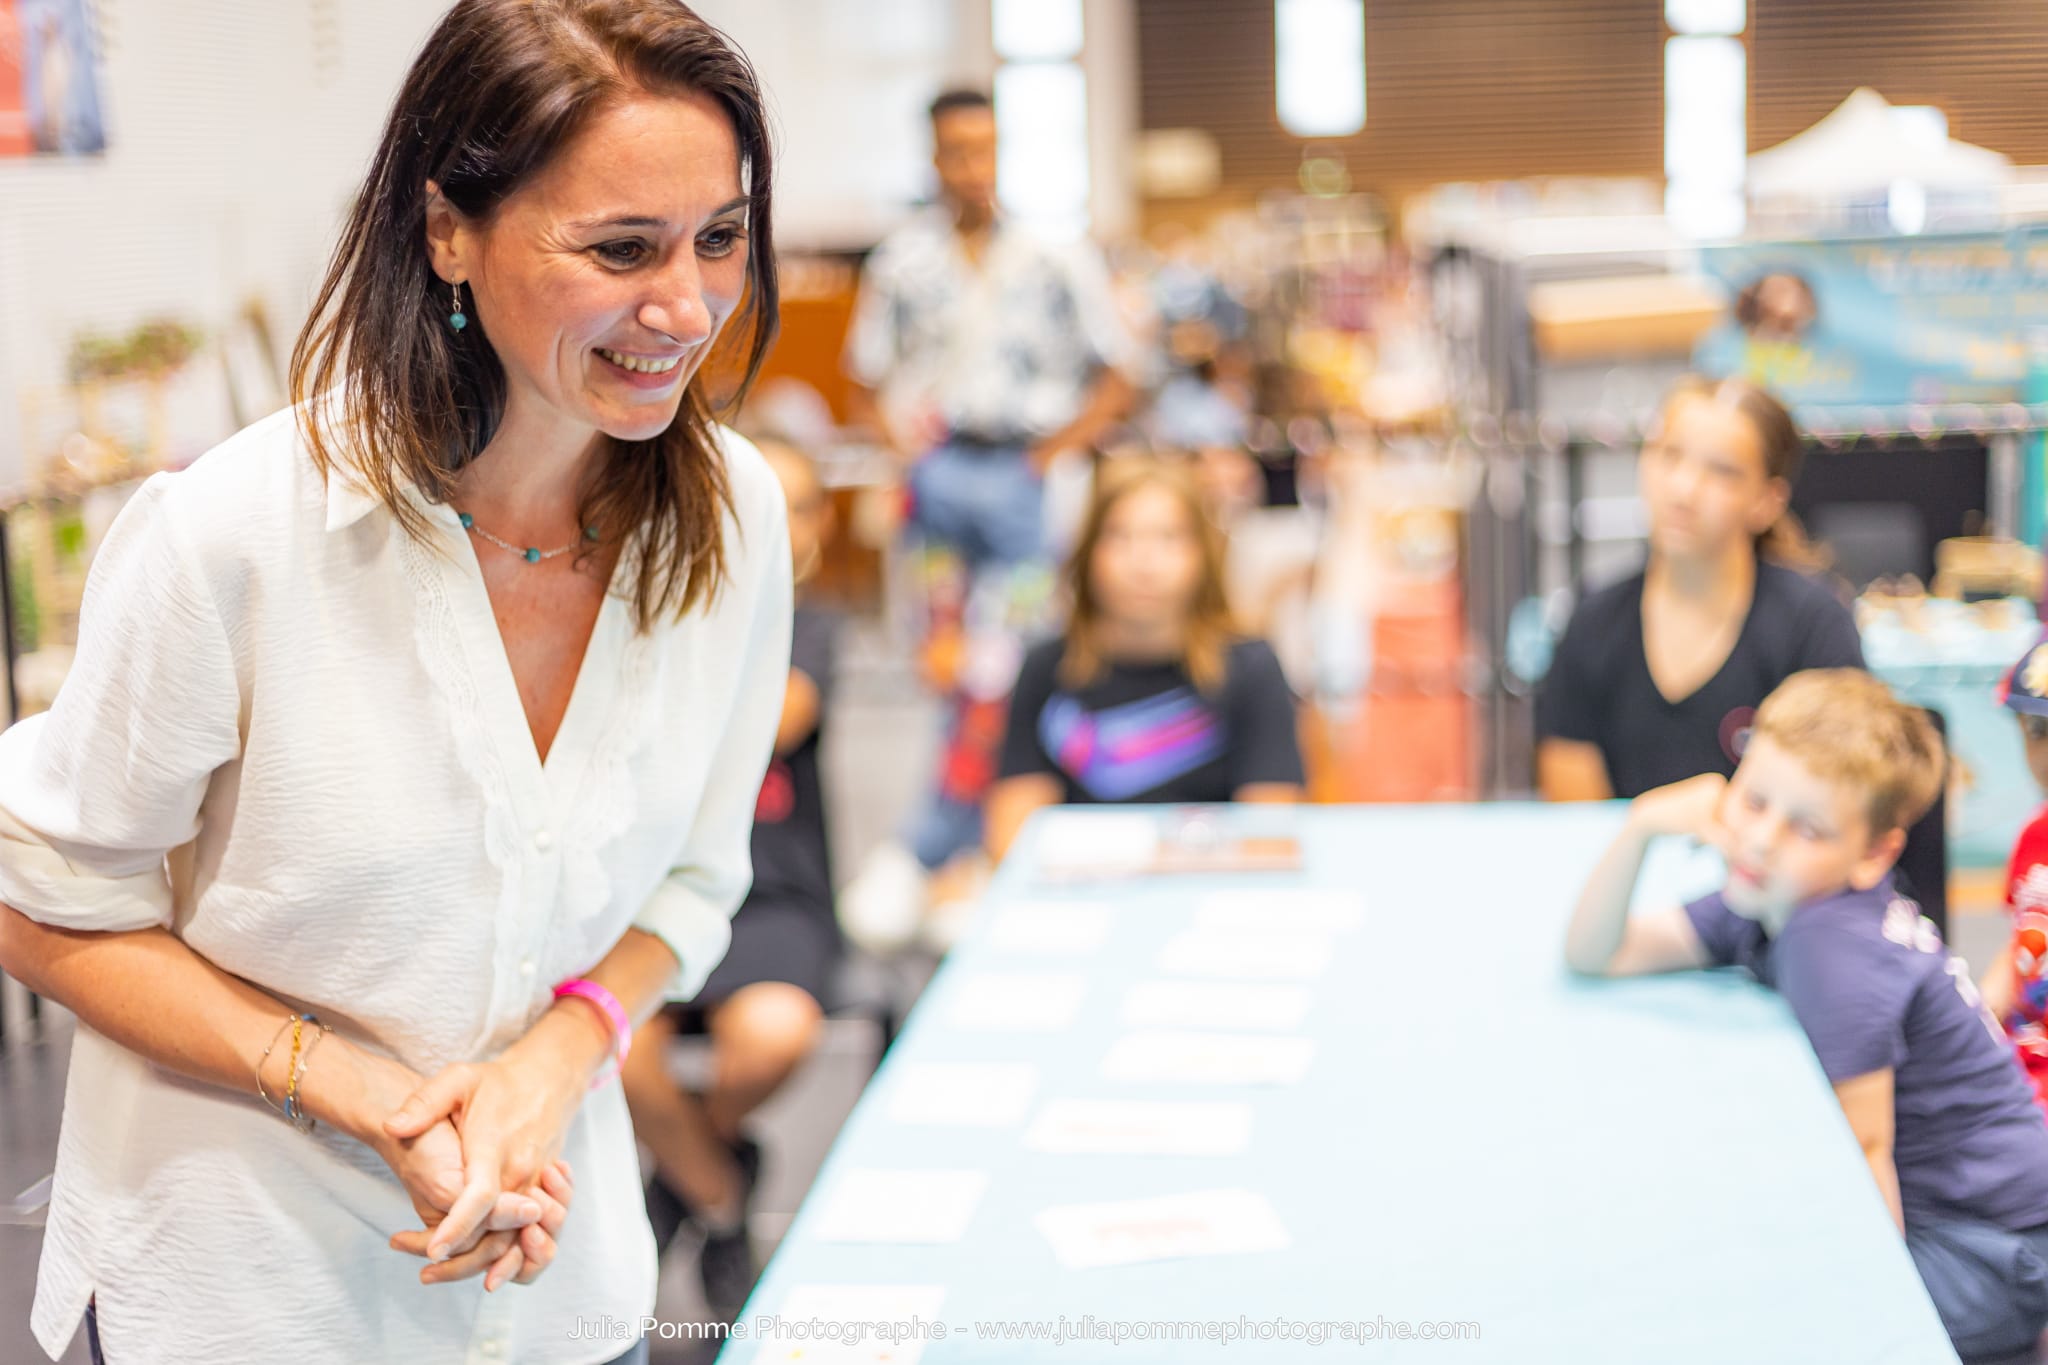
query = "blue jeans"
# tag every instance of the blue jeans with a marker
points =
(944, 829)
(985, 505)
(1990, 1285)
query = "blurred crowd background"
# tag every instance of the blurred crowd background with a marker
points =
(1400, 285)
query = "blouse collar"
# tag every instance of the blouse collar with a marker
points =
(348, 501)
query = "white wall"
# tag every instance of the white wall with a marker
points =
(848, 82)
(238, 128)
(236, 131)
(1109, 61)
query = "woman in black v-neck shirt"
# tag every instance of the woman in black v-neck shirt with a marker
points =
(1657, 676)
(1148, 696)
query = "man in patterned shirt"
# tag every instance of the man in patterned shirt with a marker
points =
(980, 352)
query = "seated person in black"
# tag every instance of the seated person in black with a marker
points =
(760, 1005)
(1658, 676)
(1148, 696)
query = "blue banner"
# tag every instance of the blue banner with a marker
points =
(1881, 322)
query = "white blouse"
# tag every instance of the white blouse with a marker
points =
(291, 736)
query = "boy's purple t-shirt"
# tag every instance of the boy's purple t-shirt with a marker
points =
(1871, 982)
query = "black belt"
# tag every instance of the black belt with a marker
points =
(988, 440)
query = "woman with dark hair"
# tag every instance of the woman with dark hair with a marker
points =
(1658, 676)
(413, 741)
(1150, 694)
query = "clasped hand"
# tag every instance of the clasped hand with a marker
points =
(477, 1149)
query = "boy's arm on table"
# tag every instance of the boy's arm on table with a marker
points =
(1604, 939)
(1868, 1105)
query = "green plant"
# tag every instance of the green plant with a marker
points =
(157, 345)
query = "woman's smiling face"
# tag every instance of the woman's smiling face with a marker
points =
(602, 282)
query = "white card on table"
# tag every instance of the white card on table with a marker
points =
(1301, 910)
(1205, 1223)
(1207, 1059)
(962, 1094)
(1217, 1004)
(1141, 1128)
(900, 1206)
(1165, 1057)
(1246, 957)
(908, 1309)
(1015, 1002)
(1050, 927)
(1099, 841)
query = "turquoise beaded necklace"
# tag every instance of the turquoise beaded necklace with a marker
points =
(532, 554)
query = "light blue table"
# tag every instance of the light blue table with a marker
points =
(1635, 1171)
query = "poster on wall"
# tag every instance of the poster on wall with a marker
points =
(49, 80)
(14, 139)
(1882, 322)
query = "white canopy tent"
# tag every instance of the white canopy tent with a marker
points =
(1866, 146)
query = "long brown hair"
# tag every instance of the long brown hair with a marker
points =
(1209, 628)
(499, 89)
(1784, 541)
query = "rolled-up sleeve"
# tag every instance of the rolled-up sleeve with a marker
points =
(96, 791)
(1102, 331)
(873, 343)
(691, 911)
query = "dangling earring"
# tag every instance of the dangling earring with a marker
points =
(457, 319)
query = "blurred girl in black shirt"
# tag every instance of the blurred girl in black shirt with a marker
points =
(1149, 695)
(1658, 676)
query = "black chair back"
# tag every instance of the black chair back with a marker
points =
(1922, 872)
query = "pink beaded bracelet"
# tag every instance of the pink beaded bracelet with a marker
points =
(622, 1026)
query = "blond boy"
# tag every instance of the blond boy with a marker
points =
(1810, 826)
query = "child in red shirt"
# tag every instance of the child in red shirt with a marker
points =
(2015, 988)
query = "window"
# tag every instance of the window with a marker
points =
(1042, 125)
(1706, 81)
(1707, 18)
(1037, 30)
(1319, 73)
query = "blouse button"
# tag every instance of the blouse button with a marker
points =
(526, 966)
(543, 841)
